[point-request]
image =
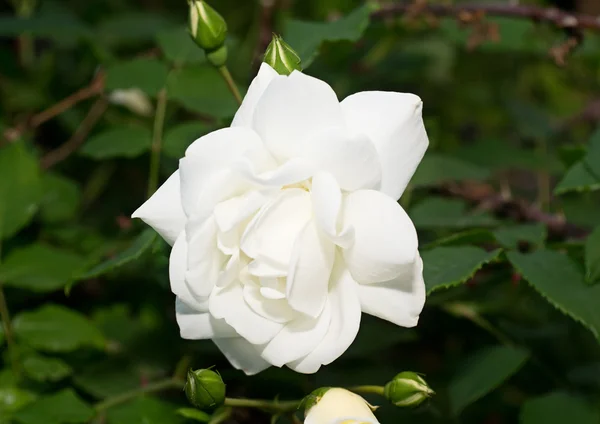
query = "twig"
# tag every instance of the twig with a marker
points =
(518, 209)
(68, 148)
(553, 16)
(159, 123)
(265, 30)
(95, 88)
(230, 83)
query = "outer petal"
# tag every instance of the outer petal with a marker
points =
(345, 322)
(163, 211)
(242, 355)
(340, 403)
(310, 269)
(385, 239)
(178, 265)
(229, 304)
(394, 124)
(297, 339)
(293, 108)
(206, 260)
(194, 325)
(399, 301)
(350, 157)
(245, 114)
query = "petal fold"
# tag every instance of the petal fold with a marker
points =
(245, 114)
(242, 355)
(194, 325)
(394, 123)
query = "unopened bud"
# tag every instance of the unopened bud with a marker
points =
(407, 389)
(207, 26)
(281, 57)
(205, 389)
(333, 404)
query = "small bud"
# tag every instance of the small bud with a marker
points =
(407, 389)
(205, 389)
(207, 27)
(281, 57)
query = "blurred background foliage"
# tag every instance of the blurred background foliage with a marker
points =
(505, 201)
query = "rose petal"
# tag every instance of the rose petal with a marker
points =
(293, 108)
(385, 237)
(194, 325)
(163, 211)
(310, 269)
(273, 231)
(394, 124)
(337, 403)
(297, 339)
(291, 172)
(350, 157)
(272, 309)
(177, 270)
(230, 213)
(399, 301)
(242, 355)
(229, 304)
(343, 328)
(326, 199)
(245, 114)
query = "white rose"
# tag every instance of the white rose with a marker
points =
(286, 226)
(340, 406)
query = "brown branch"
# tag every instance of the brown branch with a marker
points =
(265, 30)
(93, 89)
(65, 150)
(552, 16)
(486, 198)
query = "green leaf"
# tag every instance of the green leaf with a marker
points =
(55, 328)
(178, 47)
(178, 138)
(41, 268)
(306, 37)
(20, 188)
(474, 237)
(61, 200)
(140, 244)
(201, 89)
(558, 408)
(145, 410)
(147, 74)
(436, 212)
(194, 414)
(118, 142)
(108, 378)
(511, 237)
(592, 159)
(56, 25)
(130, 28)
(578, 178)
(482, 373)
(445, 267)
(436, 169)
(13, 399)
(592, 256)
(561, 282)
(41, 368)
(65, 407)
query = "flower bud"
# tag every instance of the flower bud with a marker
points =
(207, 27)
(281, 57)
(334, 405)
(133, 99)
(204, 389)
(407, 389)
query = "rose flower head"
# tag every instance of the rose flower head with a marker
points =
(285, 226)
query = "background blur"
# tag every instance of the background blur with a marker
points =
(504, 203)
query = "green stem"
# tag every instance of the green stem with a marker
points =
(377, 390)
(159, 123)
(171, 383)
(8, 333)
(268, 405)
(24, 10)
(230, 83)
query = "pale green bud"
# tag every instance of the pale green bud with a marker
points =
(207, 28)
(407, 389)
(205, 389)
(281, 57)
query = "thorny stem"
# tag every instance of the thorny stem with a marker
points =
(230, 83)
(159, 122)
